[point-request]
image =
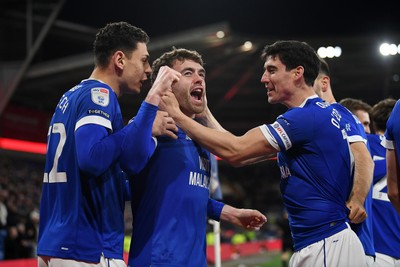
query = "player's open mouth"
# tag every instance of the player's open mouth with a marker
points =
(197, 94)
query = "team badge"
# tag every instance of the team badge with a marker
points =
(100, 96)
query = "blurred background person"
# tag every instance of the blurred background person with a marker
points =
(359, 108)
(386, 221)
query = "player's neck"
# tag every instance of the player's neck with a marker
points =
(102, 75)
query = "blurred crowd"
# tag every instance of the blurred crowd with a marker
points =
(20, 184)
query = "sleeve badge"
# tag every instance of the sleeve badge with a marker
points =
(100, 96)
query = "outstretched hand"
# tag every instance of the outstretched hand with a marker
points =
(246, 218)
(251, 219)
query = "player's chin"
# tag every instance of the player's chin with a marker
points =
(196, 105)
(272, 100)
(135, 89)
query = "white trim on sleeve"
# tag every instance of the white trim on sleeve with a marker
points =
(94, 120)
(270, 138)
(388, 144)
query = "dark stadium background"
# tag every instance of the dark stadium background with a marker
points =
(45, 48)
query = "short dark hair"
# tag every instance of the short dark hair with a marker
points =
(324, 67)
(353, 104)
(169, 58)
(294, 53)
(380, 113)
(117, 36)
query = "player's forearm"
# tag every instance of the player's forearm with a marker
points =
(222, 144)
(138, 144)
(230, 214)
(206, 118)
(246, 218)
(363, 172)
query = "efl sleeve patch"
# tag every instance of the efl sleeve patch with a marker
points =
(280, 132)
(100, 96)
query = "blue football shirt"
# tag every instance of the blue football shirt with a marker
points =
(386, 221)
(170, 204)
(82, 214)
(391, 138)
(356, 133)
(316, 169)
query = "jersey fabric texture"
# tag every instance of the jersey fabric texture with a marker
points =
(316, 168)
(81, 215)
(355, 132)
(386, 221)
(170, 203)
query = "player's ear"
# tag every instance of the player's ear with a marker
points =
(298, 72)
(325, 83)
(118, 59)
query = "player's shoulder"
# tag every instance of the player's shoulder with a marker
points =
(95, 91)
(318, 106)
(341, 108)
(308, 110)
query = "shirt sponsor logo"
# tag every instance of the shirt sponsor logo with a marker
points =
(98, 112)
(198, 179)
(285, 172)
(100, 96)
(204, 164)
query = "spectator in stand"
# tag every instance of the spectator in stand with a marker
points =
(3, 220)
(13, 245)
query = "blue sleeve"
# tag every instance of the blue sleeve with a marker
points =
(214, 209)
(292, 128)
(133, 145)
(138, 144)
(96, 150)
